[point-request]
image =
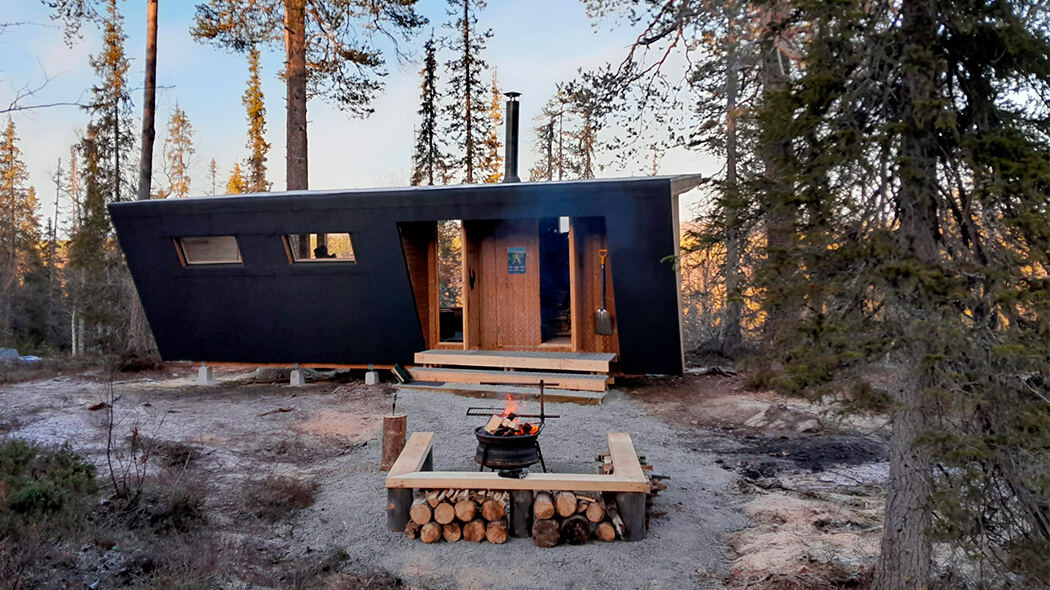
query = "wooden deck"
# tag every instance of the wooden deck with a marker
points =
(591, 362)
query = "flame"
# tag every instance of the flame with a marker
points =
(511, 406)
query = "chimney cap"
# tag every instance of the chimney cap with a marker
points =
(512, 94)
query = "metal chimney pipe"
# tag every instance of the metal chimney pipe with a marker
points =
(510, 159)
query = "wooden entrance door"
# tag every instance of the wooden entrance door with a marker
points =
(506, 291)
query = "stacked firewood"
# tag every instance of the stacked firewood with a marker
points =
(573, 518)
(470, 515)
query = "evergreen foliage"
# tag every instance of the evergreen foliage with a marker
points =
(342, 64)
(236, 184)
(917, 149)
(256, 112)
(97, 277)
(467, 106)
(492, 163)
(429, 160)
(178, 151)
(19, 248)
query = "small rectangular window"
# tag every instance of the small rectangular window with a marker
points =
(208, 250)
(334, 248)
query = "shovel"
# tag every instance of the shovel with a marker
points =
(603, 321)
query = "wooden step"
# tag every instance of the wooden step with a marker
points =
(591, 362)
(552, 380)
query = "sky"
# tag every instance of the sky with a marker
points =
(535, 45)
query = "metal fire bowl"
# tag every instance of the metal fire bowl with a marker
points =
(507, 452)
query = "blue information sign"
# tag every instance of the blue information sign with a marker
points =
(516, 261)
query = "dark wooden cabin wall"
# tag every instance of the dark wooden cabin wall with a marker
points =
(366, 312)
(419, 241)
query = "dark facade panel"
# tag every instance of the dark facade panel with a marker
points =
(266, 310)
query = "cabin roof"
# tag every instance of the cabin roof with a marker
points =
(678, 184)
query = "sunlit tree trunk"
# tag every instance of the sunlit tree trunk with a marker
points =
(138, 328)
(296, 163)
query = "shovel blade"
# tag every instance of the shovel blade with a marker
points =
(603, 322)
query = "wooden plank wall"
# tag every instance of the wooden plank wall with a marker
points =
(509, 304)
(419, 241)
(474, 234)
(587, 236)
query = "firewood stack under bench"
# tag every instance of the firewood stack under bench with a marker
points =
(550, 508)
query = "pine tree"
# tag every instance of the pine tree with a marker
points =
(213, 172)
(467, 106)
(178, 151)
(236, 184)
(492, 163)
(328, 52)
(256, 112)
(429, 161)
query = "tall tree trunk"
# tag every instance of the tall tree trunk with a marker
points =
(779, 218)
(296, 163)
(138, 328)
(468, 87)
(149, 103)
(905, 558)
(732, 337)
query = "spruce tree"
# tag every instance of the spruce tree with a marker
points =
(98, 279)
(178, 152)
(429, 161)
(492, 162)
(918, 146)
(213, 172)
(467, 105)
(19, 226)
(548, 133)
(256, 113)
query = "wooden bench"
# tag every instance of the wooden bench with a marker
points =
(414, 470)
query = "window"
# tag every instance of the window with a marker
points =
(208, 250)
(331, 248)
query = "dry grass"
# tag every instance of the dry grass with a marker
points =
(276, 496)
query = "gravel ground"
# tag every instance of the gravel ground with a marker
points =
(683, 548)
(331, 432)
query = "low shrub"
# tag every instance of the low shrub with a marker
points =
(275, 496)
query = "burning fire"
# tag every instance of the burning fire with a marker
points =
(508, 424)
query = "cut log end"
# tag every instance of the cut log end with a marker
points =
(605, 532)
(474, 531)
(543, 506)
(451, 532)
(420, 512)
(444, 513)
(493, 510)
(496, 532)
(576, 530)
(466, 510)
(430, 532)
(545, 533)
(565, 504)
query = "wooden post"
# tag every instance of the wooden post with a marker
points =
(521, 513)
(631, 507)
(393, 439)
(398, 505)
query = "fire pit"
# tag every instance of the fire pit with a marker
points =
(506, 443)
(508, 452)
